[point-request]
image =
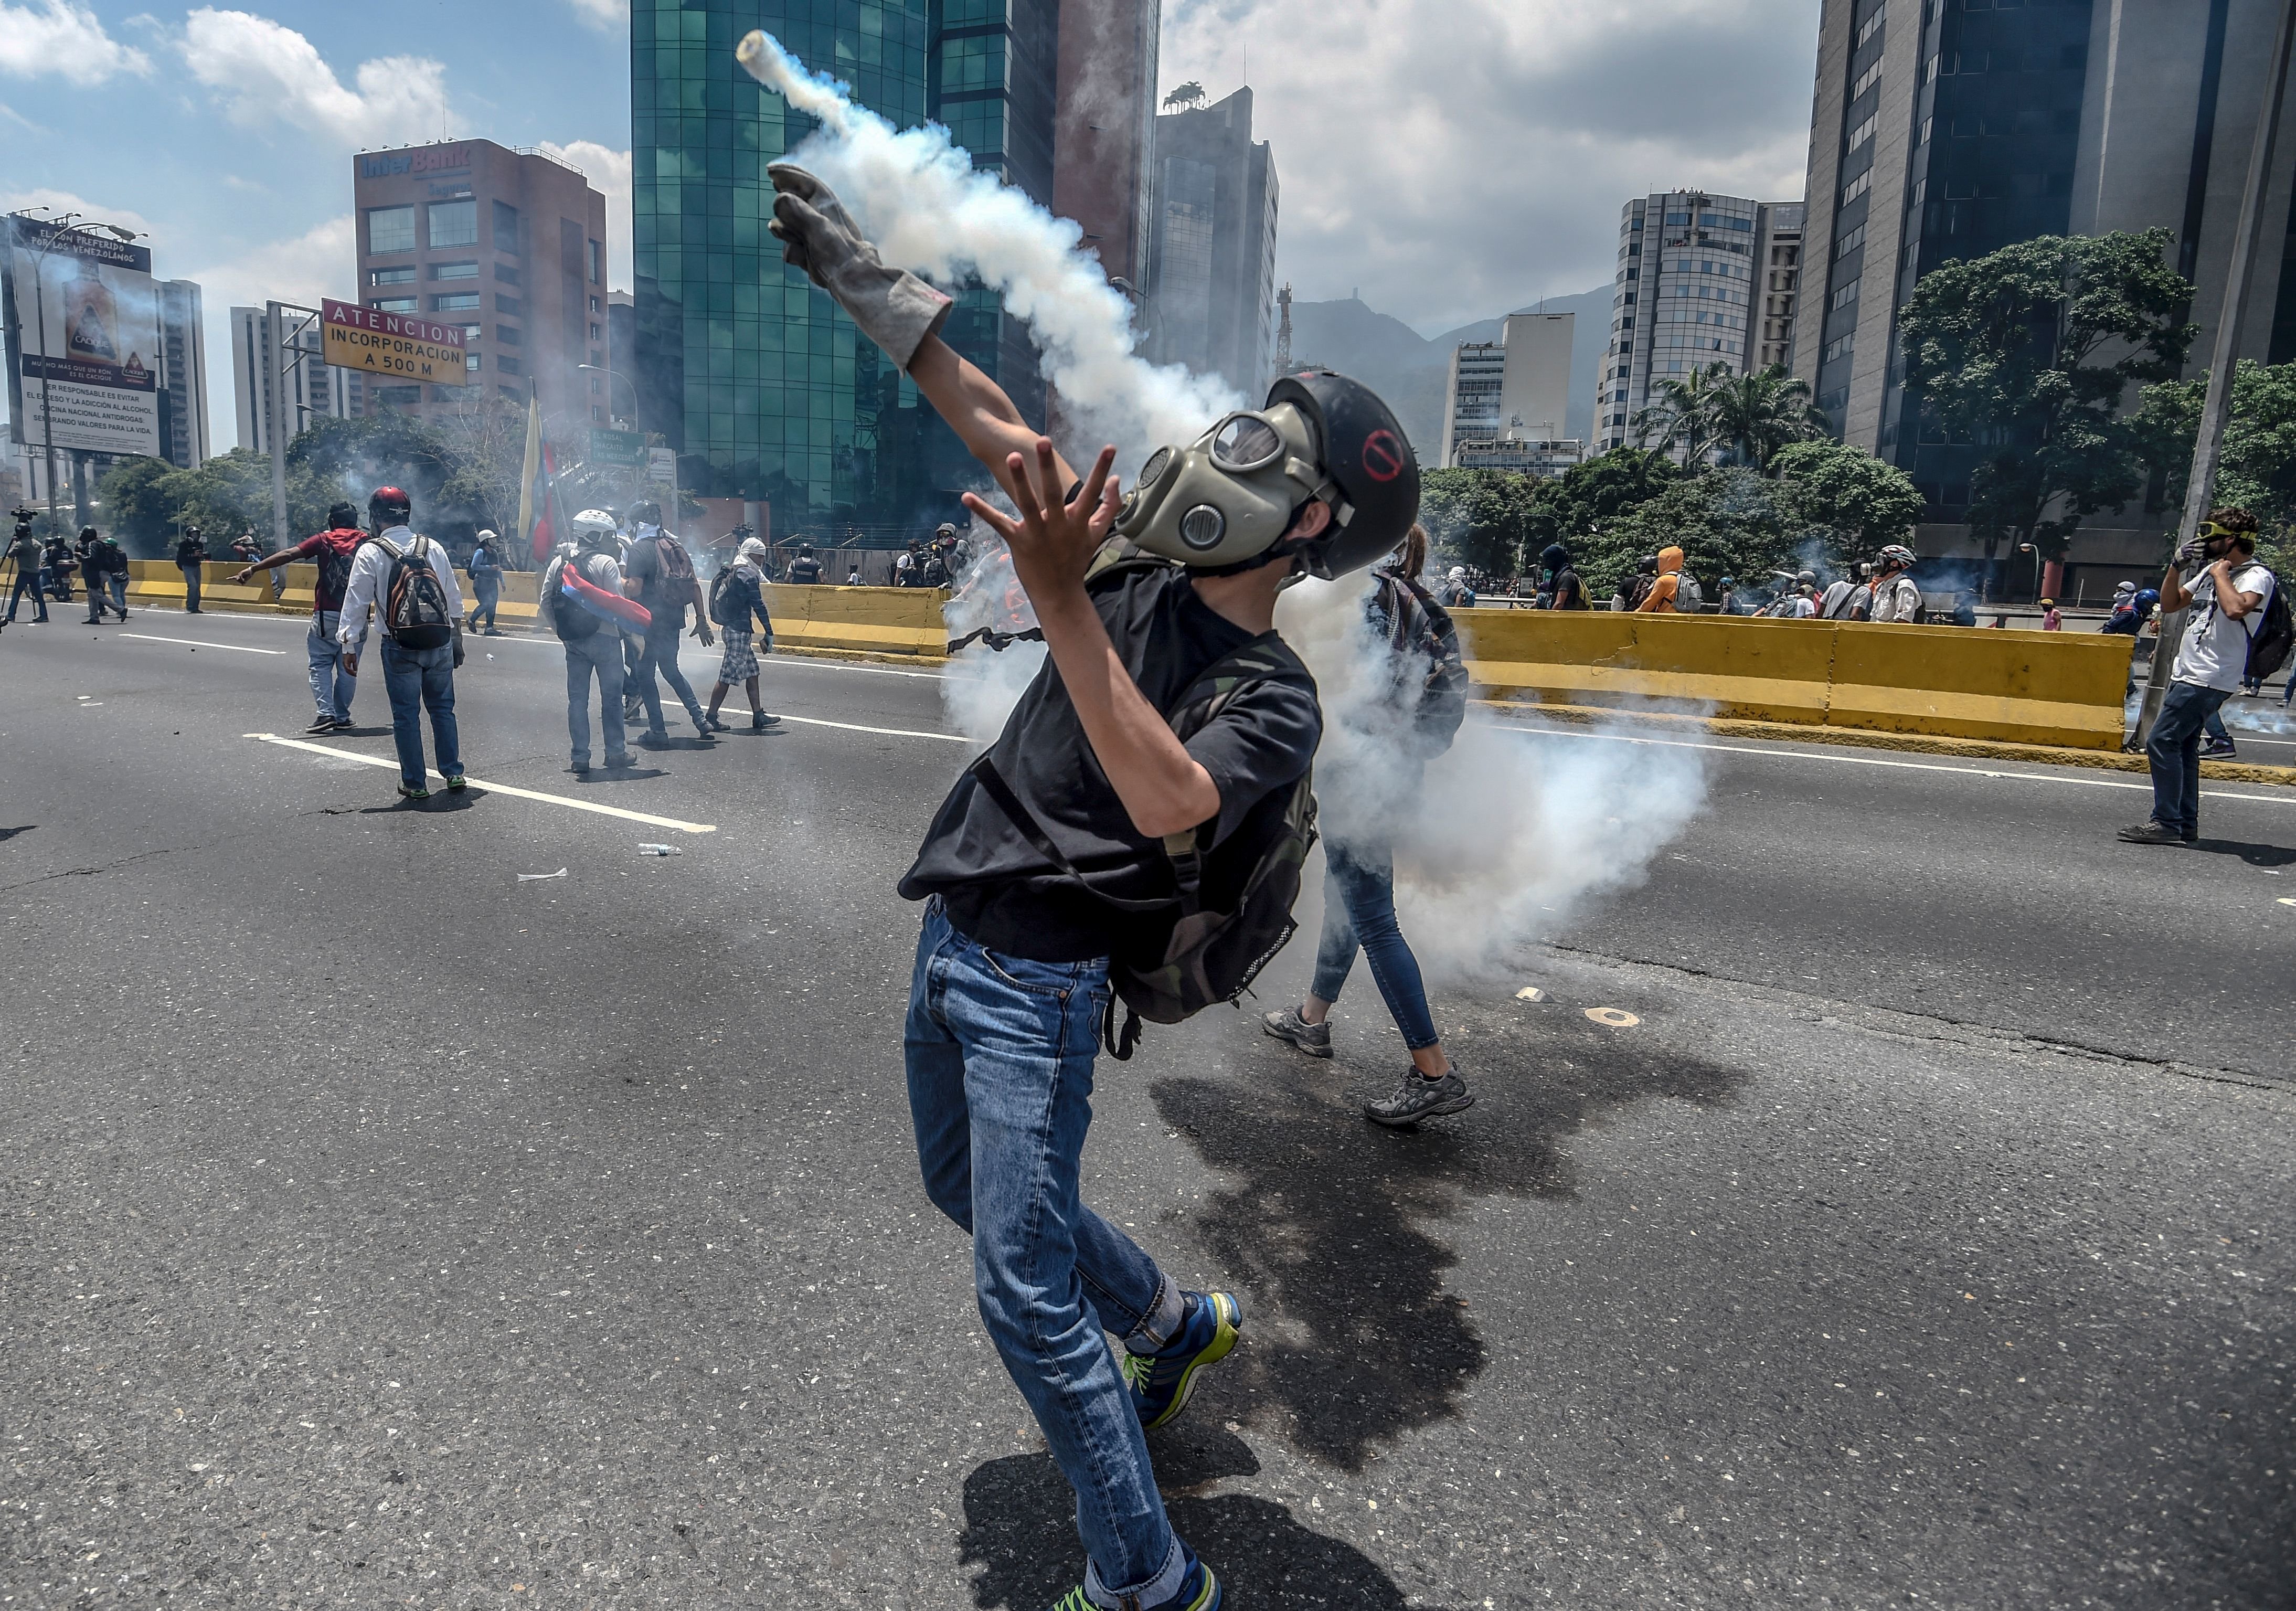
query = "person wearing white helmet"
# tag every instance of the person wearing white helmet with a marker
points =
(737, 599)
(1897, 596)
(577, 596)
(1136, 830)
(1454, 594)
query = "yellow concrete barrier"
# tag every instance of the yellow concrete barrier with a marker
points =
(874, 621)
(2026, 688)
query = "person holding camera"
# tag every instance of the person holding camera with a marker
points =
(31, 569)
(2228, 600)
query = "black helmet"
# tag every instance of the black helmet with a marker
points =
(1367, 458)
(645, 512)
(388, 506)
(342, 516)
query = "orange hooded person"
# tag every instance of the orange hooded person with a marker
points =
(1659, 599)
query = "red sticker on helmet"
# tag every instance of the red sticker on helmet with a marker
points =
(1382, 456)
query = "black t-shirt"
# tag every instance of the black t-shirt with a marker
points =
(1004, 895)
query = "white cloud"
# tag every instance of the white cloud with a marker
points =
(65, 38)
(322, 261)
(602, 13)
(265, 70)
(609, 171)
(1454, 158)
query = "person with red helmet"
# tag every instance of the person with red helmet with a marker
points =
(408, 582)
(1061, 866)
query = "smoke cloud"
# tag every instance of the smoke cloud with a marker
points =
(1509, 836)
(930, 211)
(983, 683)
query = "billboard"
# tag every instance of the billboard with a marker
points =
(392, 345)
(84, 339)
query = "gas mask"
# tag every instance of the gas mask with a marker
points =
(1230, 495)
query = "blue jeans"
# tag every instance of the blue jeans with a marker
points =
(34, 581)
(1000, 1062)
(489, 591)
(600, 653)
(660, 655)
(1359, 908)
(118, 581)
(2175, 751)
(331, 687)
(420, 680)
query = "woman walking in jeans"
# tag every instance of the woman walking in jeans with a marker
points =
(1422, 698)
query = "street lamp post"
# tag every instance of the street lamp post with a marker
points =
(612, 376)
(62, 224)
(2035, 550)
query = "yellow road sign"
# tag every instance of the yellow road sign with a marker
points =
(393, 345)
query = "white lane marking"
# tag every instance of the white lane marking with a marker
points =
(1876, 760)
(493, 788)
(196, 643)
(849, 727)
(840, 665)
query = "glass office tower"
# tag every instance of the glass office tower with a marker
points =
(757, 378)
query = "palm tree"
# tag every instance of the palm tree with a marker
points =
(1753, 416)
(1683, 415)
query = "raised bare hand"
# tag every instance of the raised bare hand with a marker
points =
(1052, 542)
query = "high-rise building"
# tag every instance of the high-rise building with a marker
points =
(1949, 129)
(1212, 290)
(1692, 291)
(756, 377)
(183, 374)
(1777, 265)
(315, 388)
(1507, 398)
(1104, 134)
(509, 245)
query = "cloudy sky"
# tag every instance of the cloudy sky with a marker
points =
(1451, 159)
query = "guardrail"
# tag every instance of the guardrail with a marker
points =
(1956, 682)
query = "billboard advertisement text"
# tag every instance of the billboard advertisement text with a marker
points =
(87, 339)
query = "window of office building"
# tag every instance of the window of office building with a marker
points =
(455, 271)
(597, 262)
(507, 237)
(396, 396)
(389, 229)
(460, 301)
(513, 306)
(761, 383)
(392, 277)
(453, 224)
(509, 335)
(509, 365)
(393, 304)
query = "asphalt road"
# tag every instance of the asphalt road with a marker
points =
(376, 1229)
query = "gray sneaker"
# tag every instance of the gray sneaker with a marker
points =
(1287, 1024)
(1419, 1097)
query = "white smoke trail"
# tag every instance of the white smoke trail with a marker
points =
(930, 210)
(1507, 838)
(982, 684)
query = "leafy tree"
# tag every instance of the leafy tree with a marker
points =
(1752, 416)
(1478, 518)
(1863, 501)
(2257, 468)
(135, 503)
(1684, 415)
(2027, 352)
(1582, 500)
(1730, 522)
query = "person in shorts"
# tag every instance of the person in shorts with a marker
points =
(738, 600)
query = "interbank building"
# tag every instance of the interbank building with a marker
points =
(756, 377)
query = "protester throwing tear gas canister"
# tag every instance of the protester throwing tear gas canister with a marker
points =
(1136, 830)
(1424, 686)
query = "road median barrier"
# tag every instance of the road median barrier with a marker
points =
(899, 622)
(2054, 689)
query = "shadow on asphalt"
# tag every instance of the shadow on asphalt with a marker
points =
(6, 834)
(1351, 1339)
(598, 774)
(2255, 855)
(1020, 1524)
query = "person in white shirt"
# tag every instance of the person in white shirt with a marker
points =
(2228, 600)
(419, 654)
(1897, 596)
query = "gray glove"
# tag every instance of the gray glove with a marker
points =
(891, 306)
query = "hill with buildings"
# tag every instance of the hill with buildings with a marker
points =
(1409, 370)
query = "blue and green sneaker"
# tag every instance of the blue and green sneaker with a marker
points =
(1199, 1590)
(1162, 1383)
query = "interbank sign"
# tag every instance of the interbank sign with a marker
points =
(430, 160)
(392, 344)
